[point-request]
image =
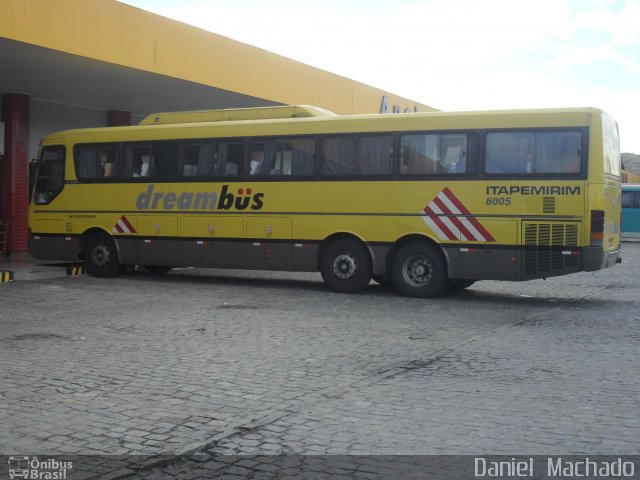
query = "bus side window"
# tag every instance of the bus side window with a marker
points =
(628, 199)
(453, 153)
(282, 157)
(164, 162)
(138, 160)
(356, 155)
(375, 155)
(509, 152)
(95, 161)
(533, 153)
(147, 167)
(303, 156)
(262, 157)
(230, 158)
(419, 154)
(431, 154)
(198, 159)
(558, 152)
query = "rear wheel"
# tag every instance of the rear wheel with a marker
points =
(101, 256)
(346, 266)
(419, 270)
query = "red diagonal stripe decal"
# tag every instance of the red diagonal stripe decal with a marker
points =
(441, 225)
(455, 201)
(485, 233)
(487, 236)
(454, 219)
(128, 224)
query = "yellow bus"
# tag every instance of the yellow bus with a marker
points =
(427, 201)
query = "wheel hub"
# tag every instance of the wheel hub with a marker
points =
(417, 271)
(345, 266)
(100, 255)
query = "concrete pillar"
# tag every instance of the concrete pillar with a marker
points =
(14, 168)
(118, 118)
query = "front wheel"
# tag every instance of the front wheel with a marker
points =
(346, 266)
(419, 270)
(101, 256)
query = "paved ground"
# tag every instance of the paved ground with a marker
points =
(220, 363)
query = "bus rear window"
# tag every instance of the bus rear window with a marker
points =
(50, 176)
(533, 153)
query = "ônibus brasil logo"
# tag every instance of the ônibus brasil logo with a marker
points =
(32, 468)
(451, 220)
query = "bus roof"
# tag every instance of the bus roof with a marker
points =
(235, 114)
(306, 120)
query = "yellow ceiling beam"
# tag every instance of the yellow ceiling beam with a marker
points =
(117, 33)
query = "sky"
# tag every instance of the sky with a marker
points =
(451, 54)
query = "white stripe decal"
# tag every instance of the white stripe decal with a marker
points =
(434, 227)
(443, 212)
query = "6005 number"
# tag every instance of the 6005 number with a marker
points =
(499, 201)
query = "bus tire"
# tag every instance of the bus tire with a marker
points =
(346, 266)
(419, 270)
(101, 256)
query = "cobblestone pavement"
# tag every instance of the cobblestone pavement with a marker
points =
(266, 364)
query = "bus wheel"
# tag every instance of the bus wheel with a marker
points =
(346, 266)
(419, 270)
(101, 256)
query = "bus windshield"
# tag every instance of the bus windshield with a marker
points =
(50, 176)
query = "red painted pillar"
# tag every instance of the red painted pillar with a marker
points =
(14, 168)
(118, 118)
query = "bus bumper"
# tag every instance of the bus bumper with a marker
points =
(54, 247)
(595, 258)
